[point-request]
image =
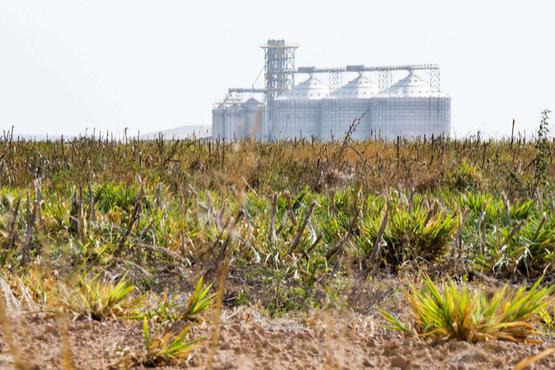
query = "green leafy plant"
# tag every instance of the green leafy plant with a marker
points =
(482, 205)
(466, 177)
(199, 300)
(547, 315)
(98, 300)
(168, 347)
(175, 307)
(108, 196)
(464, 314)
(525, 248)
(411, 233)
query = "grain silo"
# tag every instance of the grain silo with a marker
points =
(218, 123)
(253, 118)
(410, 109)
(233, 122)
(297, 113)
(346, 105)
(237, 120)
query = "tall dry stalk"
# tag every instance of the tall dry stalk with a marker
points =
(5, 325)
(66, 357)
(218, 306)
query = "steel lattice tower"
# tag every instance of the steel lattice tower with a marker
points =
(279, 66)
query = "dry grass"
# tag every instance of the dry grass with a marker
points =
(283, 223)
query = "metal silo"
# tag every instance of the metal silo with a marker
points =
(218, 123)
(238, 121)
(409, 109)
(253, 118)
(297, 113)
(233, 122)
(346, 105)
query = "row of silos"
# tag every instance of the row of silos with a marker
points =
(408, 108)
(238, 121)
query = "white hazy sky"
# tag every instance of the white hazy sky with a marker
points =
(68, 65)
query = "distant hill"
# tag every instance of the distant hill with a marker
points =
(184, 132)
(40, 137)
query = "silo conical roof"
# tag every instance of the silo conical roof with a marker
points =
(251, 103)
(312, 88)
(359, 88)
(410, 86)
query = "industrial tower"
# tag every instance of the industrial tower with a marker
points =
(279, 68)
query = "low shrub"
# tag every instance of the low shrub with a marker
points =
(526, 249)
(180, 307)
(471, 315)
(466, 177)
(411, 233)
(98, 300)
(166, 348)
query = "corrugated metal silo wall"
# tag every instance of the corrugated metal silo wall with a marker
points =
(232, 122)
(241, 125)
(410, 117)
(266, 124)
(295, 118)
(254, 119)
(261, 125)
(217, 124)
(227, 129)
(339, 114)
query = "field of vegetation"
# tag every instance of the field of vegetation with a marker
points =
(191, 254)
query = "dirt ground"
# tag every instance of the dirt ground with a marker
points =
(249, 341)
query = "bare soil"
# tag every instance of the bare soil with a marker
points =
(248, 340)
